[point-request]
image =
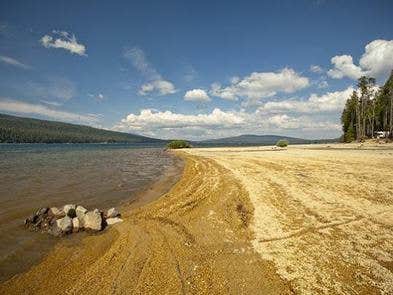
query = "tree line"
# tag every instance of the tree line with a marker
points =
(26, 130)
(368, 110)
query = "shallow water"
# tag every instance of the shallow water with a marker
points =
(37, 175)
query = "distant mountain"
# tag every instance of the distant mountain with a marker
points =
(26, 130)
(248, 139)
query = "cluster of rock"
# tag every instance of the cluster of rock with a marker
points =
(71, 219)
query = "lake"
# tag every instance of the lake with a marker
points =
(45, 175)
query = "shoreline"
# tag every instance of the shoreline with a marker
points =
(137, 199)
(243, 221)
(195, 238)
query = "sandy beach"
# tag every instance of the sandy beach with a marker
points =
(259, 220)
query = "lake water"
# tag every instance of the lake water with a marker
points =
(40, 175)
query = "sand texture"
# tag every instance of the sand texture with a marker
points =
(322, 215)
(195, 239)
(301, 220)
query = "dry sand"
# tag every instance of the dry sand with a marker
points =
(323, 215)
(306, 220)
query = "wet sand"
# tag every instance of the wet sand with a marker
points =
(95, 176)
(304, 220)
(193, 239)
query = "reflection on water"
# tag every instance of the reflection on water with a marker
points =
(33, 176)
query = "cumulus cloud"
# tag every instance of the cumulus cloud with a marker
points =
(19, 107)
(196, 95)
(64, 40)
(156, 83)
(260, 85)
(219, 123)
(13, 62)
(328, 102)
(148, 119)
(344, 67)
(376, 61)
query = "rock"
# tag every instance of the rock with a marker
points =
(93, 220)
(113, 220)
(75, 224)
(38, 220)
(112, 212)
(56, 212)
(80, 213)
(71, 213)
(42, 211)
(64, 224)
(67, 207)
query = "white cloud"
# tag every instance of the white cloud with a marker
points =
(13, 62)
(328, 102)
(376, 61)
(344, 67)
(316, 69)
(218, 123)
(196, 95)
(19, 107)
(257, 85)
(65, 41)
(148, 120)
(162, 87)
(156, 83)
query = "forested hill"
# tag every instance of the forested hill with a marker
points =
(26, 130)
(250, 140)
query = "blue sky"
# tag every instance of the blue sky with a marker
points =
(192, 69)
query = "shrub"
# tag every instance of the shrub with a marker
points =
(178, 144)
(282, 143)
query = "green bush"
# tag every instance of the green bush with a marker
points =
(178, 144)
(282, 143)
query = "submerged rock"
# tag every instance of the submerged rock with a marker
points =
(112, 212)
(93, 220)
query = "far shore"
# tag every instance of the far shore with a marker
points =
(242, 220)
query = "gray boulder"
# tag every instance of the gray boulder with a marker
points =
(93, 220)
(112, 212)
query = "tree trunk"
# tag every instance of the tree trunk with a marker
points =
(391, 116)
(357, 123)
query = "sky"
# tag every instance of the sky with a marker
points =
(192, 69)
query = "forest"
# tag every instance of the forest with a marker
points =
(368, 113)
(26, 130)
